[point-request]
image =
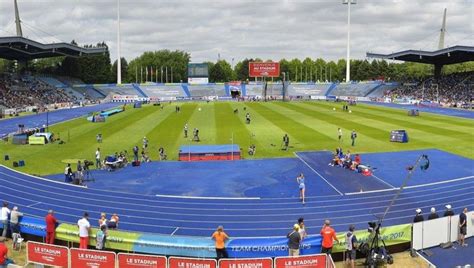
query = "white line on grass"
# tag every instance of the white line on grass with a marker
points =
(413, 186)
(318, 174)
(208, 197)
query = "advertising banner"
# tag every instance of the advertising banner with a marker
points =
(392, 235)
(189, 262)
(264, 69)
(117, 240)
(308, 261)
(270, 247)
(46, 254)
(237, 263)
(204, 246)
(126, 260)
(92, 258)
(32, 140)
(33, 226)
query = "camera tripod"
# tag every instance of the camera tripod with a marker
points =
(377, 252)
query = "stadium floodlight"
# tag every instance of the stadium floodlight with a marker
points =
(348, 59)
(119, 59)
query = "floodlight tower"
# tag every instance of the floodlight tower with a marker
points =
(119, 59)
(348, 59)
(19, 32)
(442, 31)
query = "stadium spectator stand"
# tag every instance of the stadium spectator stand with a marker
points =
(454, 90)
(360, 89)
(163, 92)
(22, 91)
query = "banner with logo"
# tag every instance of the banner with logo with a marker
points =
(92, 258)
(204, 247)
(33, 226)
(46, 254)
(237, 263)
(391, 235)
(175, 262)
(308, 261)
(126, 260)
(264, 69)
(269, 247)
(118, 240)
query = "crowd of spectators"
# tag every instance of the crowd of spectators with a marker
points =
(453, 90)
(20, 92)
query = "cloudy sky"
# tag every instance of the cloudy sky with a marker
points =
(269, 29)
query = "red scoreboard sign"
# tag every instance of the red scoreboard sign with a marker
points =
(264, 69)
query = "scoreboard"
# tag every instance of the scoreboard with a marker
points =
(398, 136)
(198, 70)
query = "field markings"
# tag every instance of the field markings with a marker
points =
(207, 197)
(317, 173)
(368, 136)
(386, 183)
(175, 230)
(34, 204)
(413, 186)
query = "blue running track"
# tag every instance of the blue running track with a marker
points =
(443, 111)
(264, 212)
(8, 126)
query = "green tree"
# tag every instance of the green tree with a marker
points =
(175, 62)
(221, 71)
(241, 70)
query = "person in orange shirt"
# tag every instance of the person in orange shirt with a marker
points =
(329, 235)
(220, 237)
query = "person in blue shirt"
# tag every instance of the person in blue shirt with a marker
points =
(301, 186)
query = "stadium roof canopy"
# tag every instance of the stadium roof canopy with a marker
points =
(20, 48)
(450, 55)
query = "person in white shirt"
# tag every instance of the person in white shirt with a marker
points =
(97, 159)
(4, 213)
(84, 228)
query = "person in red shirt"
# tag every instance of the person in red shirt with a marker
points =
(50, 227)
(4, 260)
(329, 235)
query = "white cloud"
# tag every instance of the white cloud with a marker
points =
(269, 29)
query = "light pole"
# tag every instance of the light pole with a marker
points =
(284, 78)
(119, 61)
(348, 60)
